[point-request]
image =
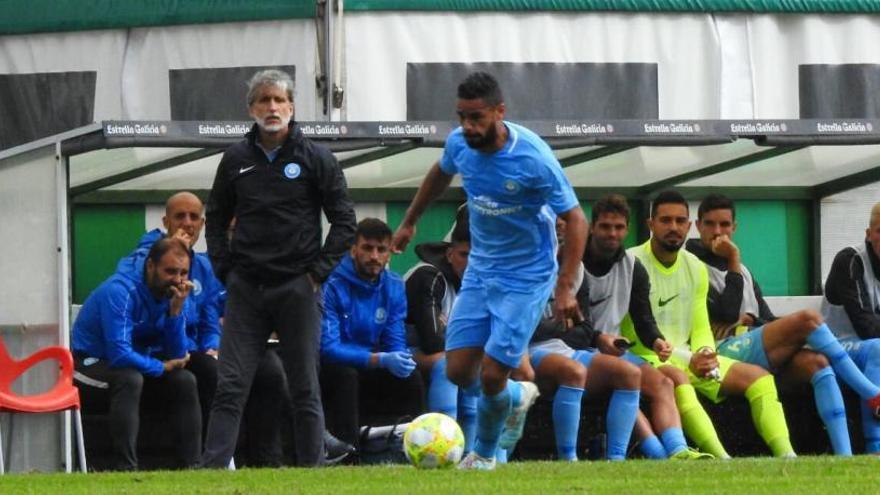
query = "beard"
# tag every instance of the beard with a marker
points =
(159, 289)
(478, 142)
(274, 126)
(671, 245)
(606, 247)
(369, 271)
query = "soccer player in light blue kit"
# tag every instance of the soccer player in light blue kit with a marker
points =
(515, 189)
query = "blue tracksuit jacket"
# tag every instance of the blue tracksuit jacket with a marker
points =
(203, 317)
(361, 317)
(123, 323)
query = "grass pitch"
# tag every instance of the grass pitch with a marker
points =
(837, 476)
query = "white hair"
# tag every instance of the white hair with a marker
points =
(269, 77)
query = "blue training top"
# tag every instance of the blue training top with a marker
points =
(205, 300)
(121, 322)
(514, 195)
(361, 317)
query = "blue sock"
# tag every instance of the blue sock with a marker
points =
(467, 417)
(829, 403)
(501, 456)
(870, 424)
(620, 419)
(822, 340)
(871, 428)
(475, 388)
(673, 440)
(651, 448)
(442, 393)
(491, 413)
(515, 390)
(566, 421)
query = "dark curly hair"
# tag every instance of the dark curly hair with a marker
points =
(716, 202)
(610, 203)
(668, 197)
(480, 85)
(372, 229)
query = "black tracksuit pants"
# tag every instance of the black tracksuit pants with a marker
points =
(253, 312)
(126, 389)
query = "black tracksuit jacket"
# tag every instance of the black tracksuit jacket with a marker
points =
(277, 206)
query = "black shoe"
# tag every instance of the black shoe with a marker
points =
(335, 450)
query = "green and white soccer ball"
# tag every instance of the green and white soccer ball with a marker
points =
(433, 440)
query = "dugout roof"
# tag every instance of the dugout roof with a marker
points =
(144, 161)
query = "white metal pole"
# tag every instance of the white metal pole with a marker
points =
(328, 59)
(63, 251)
(338, 48)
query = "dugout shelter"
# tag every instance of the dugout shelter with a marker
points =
(105, 115)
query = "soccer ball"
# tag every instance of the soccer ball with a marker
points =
(433, 440)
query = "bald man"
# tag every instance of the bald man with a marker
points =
(184, 219)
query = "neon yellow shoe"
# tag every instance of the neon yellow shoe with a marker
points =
(690, 454)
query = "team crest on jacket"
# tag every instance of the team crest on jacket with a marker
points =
(292, 170)
(380, 315)
(197, 286)
(511, 186)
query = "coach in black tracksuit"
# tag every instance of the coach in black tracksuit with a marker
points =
(275, 183)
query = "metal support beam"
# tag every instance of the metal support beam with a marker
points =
(378, 154)
(773, 193)
(456, 195)
(816, 283)
(322, 34)
(159, 196)
(643, 206)
(650, 189)
(142, 171)
(133, 196)
(846, 183)
(594, 154)
(355, 144)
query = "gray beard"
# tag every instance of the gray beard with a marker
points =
(273, 128)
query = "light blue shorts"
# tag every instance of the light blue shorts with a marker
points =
(861, 351)
(491, 315)
(540, 350)
(633, 359)
(748, 348)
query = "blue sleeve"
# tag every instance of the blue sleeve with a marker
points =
(175, 340)
(117, 323)
(130, 264)
(192, 328)
(333, 349)
(209, 315)
(148, 239)
(394, 335)
(447, 161)
(554, 185)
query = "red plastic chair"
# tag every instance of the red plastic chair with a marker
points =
(62, 397)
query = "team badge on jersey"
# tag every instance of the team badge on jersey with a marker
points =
(197, 287)
(511, 186)
(380, 315)
(292, 170)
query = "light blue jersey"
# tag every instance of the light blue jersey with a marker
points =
(514, 195)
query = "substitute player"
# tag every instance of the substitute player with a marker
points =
(515, 189)
(679, 288)
(568, 364)
(748, 331)
(617, 288)
(852, 309)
